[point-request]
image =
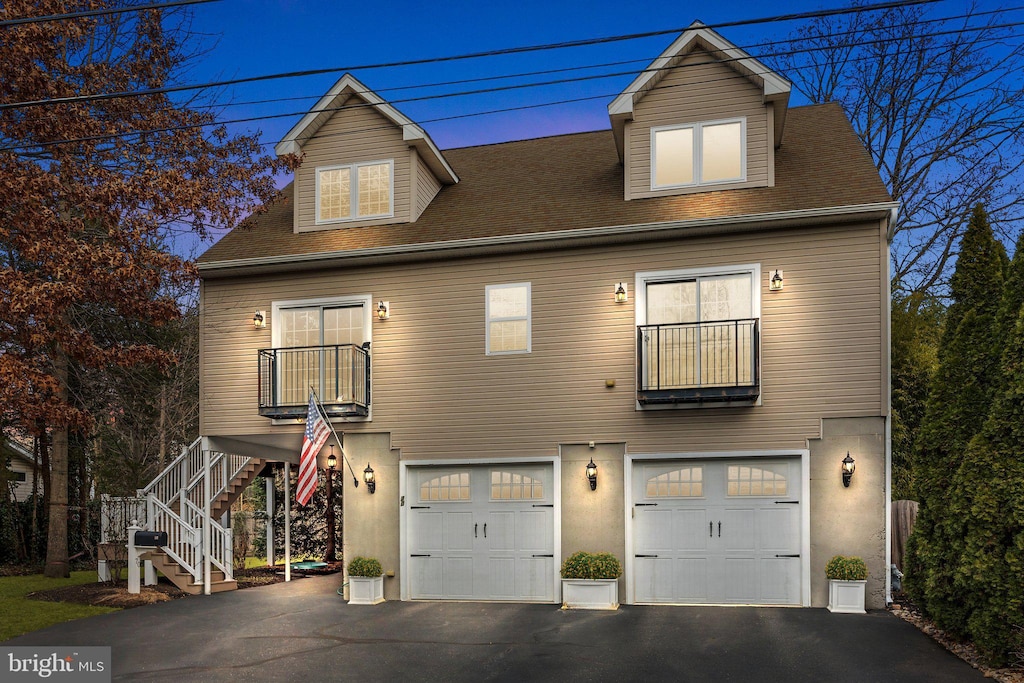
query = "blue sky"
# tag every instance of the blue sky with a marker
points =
(266, 36)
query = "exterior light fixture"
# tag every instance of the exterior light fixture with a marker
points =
(332, 461)
(621, 295)
(848, 468)
(259, 321)
(592, 474)
(371, 483)
(775, 283)
(383, 310)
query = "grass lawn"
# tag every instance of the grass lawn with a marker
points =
(22, 615)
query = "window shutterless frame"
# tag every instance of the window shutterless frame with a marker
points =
(698, 153)
(354, 191)
(492, 316)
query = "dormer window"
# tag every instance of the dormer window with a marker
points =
(698, 154)
(355, 191)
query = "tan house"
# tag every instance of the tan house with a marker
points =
(695, 301)
(18, 477)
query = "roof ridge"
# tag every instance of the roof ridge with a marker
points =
(542, 137)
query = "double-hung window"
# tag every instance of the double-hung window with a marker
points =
(698, 154)
(355, 191)
(508, 318)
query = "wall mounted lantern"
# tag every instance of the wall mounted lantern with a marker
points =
(592, 474)
(371, 483)
(383, 310)
(775, 283)
(848, 468)
(621, 294)
(259, 321)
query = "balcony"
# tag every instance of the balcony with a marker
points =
(339, 374)
(695, 363)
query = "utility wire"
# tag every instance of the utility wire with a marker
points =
(472, 55)
(252, 119)
(98, 12)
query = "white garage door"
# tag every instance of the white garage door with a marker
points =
(717, 531)
(482, 533)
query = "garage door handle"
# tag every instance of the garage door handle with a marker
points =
(719, 529)
(420, 507)
(711, 529)
(474, 530)
(414, 555)
(645, 556)
(787, 556)
(485, 530)
(787, 502)
(644, 505)
(542, 555)
(544, 505)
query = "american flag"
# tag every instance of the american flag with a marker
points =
(313, 440)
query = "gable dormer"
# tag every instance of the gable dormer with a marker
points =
(364, 162)
(703, 116)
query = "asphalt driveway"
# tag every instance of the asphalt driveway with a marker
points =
(304, 631)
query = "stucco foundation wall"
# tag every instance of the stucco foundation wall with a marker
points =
(592, 520)
(848, 521)
(371, 521)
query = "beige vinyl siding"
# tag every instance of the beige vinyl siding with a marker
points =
(355, 133)
(699, 90)
(427, 186)
(22, 489)
(439, 395)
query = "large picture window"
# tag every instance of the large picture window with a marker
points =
(698, 154)
(345, 193)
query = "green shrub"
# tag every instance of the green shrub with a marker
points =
(364, 566)
(584, 565)
(843, 568)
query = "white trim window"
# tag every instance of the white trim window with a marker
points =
(508, 319)
(371, 195)
(694, 154)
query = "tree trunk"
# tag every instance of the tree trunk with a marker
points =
(162, 429)
(57, 538)
(33, 535)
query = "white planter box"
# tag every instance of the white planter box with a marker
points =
(846, 597)
(590, 593)
(365, 590)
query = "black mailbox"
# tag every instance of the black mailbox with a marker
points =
(151, 538)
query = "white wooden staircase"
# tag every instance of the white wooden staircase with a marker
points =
(190, 496)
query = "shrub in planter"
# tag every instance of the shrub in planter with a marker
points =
(846, 582)
(365, 566)
(365, 581)
(590, 581)
(841, 568)
(584, 565)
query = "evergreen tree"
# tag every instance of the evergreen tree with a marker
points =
(958, 404)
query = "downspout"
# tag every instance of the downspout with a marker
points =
(887, 326)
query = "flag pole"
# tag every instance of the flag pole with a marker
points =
(341, 446)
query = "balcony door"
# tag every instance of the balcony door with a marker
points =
(699, 332)
(321, 339)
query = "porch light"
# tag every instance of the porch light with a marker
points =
(848, 468)
(775, 283)
(332, 461)
(371, 483)
(621, 295)
(592, 474)
(383, 310)
(259, 321)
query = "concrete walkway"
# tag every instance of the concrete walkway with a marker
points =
(304, 631)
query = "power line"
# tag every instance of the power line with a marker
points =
(98, 12)
(472, 55)
(252, 119)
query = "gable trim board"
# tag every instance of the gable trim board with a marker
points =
(412, 133)
(796, 218)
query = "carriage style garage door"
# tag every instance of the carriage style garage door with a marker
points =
(481, 532)
(717, 531)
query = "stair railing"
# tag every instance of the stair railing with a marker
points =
(167, 485)
(184, 542)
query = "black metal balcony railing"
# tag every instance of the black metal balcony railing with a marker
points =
(698, 362)
(340, 375)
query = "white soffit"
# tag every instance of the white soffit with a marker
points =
(774, 87)
(347, 87)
